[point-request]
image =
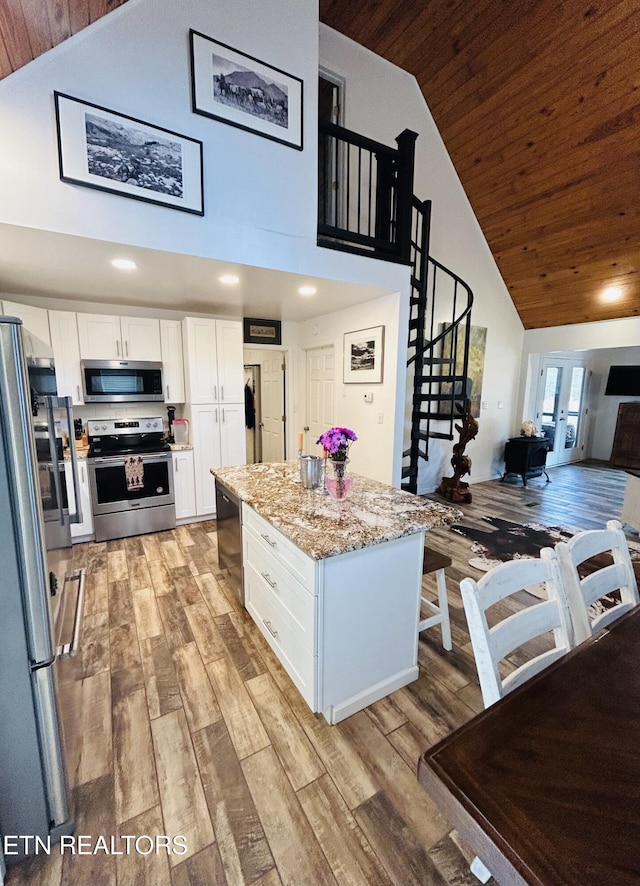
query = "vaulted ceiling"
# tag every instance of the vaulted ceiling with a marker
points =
(538, 104)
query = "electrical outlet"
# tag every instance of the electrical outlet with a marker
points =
(368, 397)
(500, 404)
(485, 404)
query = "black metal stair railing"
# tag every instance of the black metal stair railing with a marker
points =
(366, 206)
(438, 347)
(365, 191)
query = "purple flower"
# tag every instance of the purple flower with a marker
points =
(337, 442)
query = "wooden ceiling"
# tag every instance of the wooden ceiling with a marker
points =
(538, 103)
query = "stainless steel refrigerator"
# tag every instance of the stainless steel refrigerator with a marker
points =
(38, 590)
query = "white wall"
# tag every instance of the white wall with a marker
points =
(381, 100)
(374, 454)
(260, 196)
(604, 408)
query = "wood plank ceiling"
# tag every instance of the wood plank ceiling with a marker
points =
(538, 103)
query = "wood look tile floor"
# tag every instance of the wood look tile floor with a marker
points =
(184, 723)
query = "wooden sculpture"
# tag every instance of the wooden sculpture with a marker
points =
(454, 488)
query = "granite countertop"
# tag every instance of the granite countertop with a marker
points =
(374, 512)
(180, 447)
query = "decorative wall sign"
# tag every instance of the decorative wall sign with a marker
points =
(235, 88)
(262, 332)
(101, 149)
(363, 356)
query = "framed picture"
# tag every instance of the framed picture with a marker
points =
(475, 370)
(101, 149)
(235, 88)
(363, 356)
(262, 332)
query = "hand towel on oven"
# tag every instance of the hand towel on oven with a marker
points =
(134, 472)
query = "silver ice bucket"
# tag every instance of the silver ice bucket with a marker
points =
(311, 470)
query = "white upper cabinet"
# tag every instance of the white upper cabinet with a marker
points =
(36, 320)
(201, 360)
(172, 360)
(66, 352)
(106, 337)
(213, 360)
(230, 361)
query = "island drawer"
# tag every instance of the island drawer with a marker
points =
(291, 557)
(296, 602)
(283, 634)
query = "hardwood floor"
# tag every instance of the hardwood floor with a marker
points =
(184, 723)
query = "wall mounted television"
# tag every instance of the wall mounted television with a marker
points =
(623, 381)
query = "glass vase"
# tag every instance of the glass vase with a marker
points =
(338, 482)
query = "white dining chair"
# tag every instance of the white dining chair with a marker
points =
(583, 593)
(492, 644)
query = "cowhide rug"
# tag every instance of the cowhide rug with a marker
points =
(508, 541)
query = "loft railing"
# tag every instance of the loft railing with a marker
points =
(365, 193)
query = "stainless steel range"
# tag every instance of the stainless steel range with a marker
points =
(131, 477)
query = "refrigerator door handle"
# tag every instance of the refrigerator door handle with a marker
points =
(51, 425)
(71, 649)
(77, 516)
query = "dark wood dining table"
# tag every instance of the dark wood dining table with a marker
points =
(545, 785)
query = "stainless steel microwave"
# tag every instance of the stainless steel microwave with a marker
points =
(121, 381)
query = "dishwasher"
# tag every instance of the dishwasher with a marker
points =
(229, 529)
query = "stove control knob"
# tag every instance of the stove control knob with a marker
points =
(104, 427)
(148, 424)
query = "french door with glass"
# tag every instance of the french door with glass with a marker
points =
(561, 408)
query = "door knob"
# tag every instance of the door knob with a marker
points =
(306, 428)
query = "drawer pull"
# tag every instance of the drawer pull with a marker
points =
(269, 540)
(271, 630)
(269, 580)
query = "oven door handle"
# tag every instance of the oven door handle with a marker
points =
(115, 461)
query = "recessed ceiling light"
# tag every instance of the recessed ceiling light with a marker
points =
(612, 293)
(124, 264)
(229, 279)
(307, 290)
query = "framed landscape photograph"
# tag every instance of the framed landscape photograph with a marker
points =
(235, 88)
(262, 332)
(363, 356)
(101, 149)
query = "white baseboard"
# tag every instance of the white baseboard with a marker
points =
(335, 713)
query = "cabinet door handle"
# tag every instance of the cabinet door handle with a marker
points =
(175, 465)
(215, 392)
(168, 393)
(268, 540)
(269, 627)
(216, 416)
(222, 392)
(117, 348)
(126, 348)
(223, 417)
(78, 392)
(272, 584)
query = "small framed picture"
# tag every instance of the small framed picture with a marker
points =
(108, 151)
(235, 88)
(262, 332)
(363, 356)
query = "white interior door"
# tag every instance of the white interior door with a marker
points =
(272, 406)
(320, 395)
(561, 408)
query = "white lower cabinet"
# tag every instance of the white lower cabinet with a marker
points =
(82, 530)
(218, 438)
(184, 485)
(205, 423)
(344, 628)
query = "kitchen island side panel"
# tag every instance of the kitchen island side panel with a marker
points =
(368, 624)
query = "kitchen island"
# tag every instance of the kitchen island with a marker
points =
(334, 586)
